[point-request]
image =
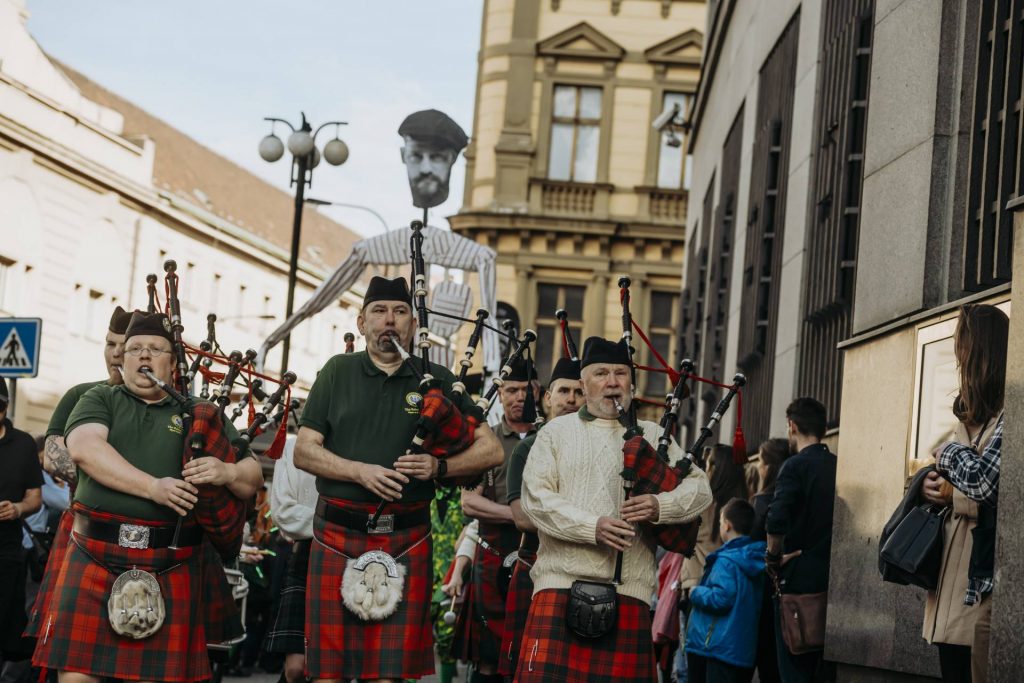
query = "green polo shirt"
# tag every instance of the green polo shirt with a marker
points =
(510, 441)
(368, 416)
(148, 435)
(67, 403)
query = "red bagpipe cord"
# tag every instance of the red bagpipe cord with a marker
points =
(739, 442)
(276, 448)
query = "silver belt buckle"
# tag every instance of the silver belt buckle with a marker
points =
(385, 525)
(133, 536)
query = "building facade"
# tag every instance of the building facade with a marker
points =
(566, 178)
(857, 164)
(95, 194)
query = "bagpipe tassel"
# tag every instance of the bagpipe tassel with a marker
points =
(739, 446)
(739, 442)
(277, 447)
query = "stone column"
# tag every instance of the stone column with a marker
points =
(1006, 650)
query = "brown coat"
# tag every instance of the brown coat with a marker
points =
(692, 569)
(946, 618)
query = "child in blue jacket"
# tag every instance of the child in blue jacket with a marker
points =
(721, 639)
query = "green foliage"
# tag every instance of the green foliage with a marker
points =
(446, 533)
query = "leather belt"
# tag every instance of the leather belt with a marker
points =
(137, 536)
(357, 520)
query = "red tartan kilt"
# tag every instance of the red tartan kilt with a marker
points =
(61, 537)
(221, 615)
(338, 643)
(77, 636)
(517, 609)
(481, 626)
(552, 653)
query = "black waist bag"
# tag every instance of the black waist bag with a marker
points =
(592, 609)
(914, 550)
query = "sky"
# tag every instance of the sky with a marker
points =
(215, 68)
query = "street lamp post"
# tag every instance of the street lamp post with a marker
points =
(305, 157)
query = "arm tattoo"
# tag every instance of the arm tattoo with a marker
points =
(58, 460)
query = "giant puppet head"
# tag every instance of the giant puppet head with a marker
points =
(432, 144)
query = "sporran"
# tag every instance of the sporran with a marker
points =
(372, 585)
(136, 607)
(592, 609)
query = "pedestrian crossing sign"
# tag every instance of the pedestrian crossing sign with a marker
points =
(19, 346)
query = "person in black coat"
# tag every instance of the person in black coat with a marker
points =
(799, 522)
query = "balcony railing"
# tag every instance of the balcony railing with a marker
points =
(569, 198)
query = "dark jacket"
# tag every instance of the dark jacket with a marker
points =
(761, 501)
(727, 604)
(801, 510)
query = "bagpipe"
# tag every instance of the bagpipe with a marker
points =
(218, 511)
(442, 430)
(646, 468)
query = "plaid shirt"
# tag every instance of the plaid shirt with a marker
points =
(977, 477)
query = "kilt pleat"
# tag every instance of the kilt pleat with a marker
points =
(287, 633)
(341, 645)
(221, 615)
(517, 609)
(483, 611)
(76, 634)
(552, 653)
(61, 538)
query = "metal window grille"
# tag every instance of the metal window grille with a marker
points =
(763, 260)
(693, 297)
(995, 156)
(716, 318)
(832, 227)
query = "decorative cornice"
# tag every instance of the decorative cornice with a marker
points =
(672, 52)
(600, 46)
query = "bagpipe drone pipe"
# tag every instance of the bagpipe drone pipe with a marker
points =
(646, 468)
(219, 512)
(442, 429)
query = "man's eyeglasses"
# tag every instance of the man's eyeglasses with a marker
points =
(136, 351)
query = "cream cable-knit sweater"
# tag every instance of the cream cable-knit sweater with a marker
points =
(572, 477)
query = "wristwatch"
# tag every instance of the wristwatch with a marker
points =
(442, 468)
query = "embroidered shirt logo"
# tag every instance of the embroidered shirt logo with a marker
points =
(412, 402)
(176, 426)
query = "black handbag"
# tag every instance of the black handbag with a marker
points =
(592, 609)
(913, 553)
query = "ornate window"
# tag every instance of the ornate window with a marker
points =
(674, 164)
(575, 133)
(663, 321)
(550, 298)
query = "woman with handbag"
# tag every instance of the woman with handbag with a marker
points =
(950, 621)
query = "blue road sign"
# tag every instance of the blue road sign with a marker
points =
(19, 346)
